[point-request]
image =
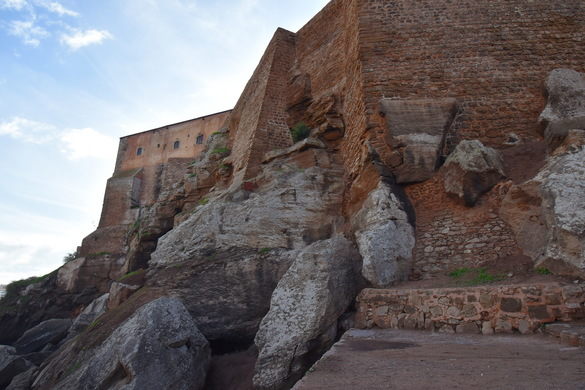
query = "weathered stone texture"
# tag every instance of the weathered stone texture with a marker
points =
(547, 213)
(471, 170)
(227, 257)
(565, 109)
(385, 237)
(302, 321)
(489, 309)
(157, 347)
(415, 131)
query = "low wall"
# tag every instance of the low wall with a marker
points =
(485, 309)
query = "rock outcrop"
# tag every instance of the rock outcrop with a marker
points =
(305, 306)
(416, 130)
(471, 170)
(547, 213)
(565, 109)
(158, 347)
(45, 333)
(23, 381)
(89, 314)
(227, 257)
(385, 237)
(11, 365)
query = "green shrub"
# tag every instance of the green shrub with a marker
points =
(70, 257)
(543, 271)
(263, 250)
(459, 272)
(203, 202)
(300, 131)
(14, 288)
(222, 150)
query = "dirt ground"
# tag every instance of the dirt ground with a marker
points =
(514, 269)
(411, 360)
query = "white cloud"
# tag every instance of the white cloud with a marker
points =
(79, 39)
(74, 143)
(84, 143)
(57, 8)
(13, 4)
(28, 130)
(30, 33)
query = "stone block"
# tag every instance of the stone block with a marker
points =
(468, 327)
(511, 305)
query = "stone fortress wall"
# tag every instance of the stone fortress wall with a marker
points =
(490, 58)
(145, 158)
(349, 70)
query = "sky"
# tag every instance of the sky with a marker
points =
(75, 75)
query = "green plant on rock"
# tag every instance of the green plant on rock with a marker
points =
(70, 257)
(459, 272)
(300, 131)
(543, 271)
(221, 150)
(203, 202)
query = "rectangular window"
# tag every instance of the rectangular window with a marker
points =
(199, 139)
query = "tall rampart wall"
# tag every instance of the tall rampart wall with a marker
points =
(258, 121)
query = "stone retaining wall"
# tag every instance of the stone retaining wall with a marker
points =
(485, 309)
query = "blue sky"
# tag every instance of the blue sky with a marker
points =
(75, 75)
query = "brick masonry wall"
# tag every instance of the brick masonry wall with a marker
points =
(450, 235)
(486, 309)
(320, 51)
(493, 56)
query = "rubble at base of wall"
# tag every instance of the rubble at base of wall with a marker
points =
(485, 309)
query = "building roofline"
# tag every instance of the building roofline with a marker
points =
(178, 123)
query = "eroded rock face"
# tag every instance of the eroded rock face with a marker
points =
(547, 213)
(415, 130)
(158, 347)
(385, 237)
(227, 257)
(89, 314)
(565, 109)
(471, 170)
(302, 321)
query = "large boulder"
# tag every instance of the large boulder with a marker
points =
(415, 131)
(227, 257)
(471, 170)
(11, 365)
(547, 213)
(302, 321)
(385, 237)
(565, 109)
(45, 333)
(158, 347)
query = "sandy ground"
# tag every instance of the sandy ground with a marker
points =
(415, 360)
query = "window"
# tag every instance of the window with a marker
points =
(176, 145)
(199, 139)
(139, 152)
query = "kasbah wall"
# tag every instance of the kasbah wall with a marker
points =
(491, 56)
